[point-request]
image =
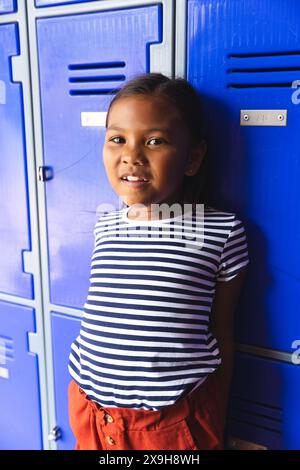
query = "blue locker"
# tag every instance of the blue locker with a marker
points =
(264, 403)
(78, 75)
(14, 220)
(8, 6)
(20, 423)
(64, 330)
(50, 3)
(238, 61)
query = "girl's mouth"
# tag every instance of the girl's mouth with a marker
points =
(134, 182)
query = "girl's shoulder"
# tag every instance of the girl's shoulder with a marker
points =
(108, 214)
(223, 219)
(212, 211)
(108, 217)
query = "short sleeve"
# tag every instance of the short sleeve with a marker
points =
(235, 253)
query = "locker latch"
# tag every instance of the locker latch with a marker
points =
(45, 173)
(55, 434)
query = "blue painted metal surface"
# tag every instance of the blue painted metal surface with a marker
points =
(50, 3)
(8, 6)
(242, 55)
(14, 220)
(20, 422)
(78, 75)
(264, 403)
(64, 330)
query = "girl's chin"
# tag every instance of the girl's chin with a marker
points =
(133, 201)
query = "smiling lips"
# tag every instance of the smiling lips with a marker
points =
(134, 179)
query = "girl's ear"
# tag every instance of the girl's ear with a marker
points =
(195, 158)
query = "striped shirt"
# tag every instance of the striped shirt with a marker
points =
(144, 340)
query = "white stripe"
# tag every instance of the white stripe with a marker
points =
(132, 363)
(138, 333)
(151, 282)
(157, 254)
(150, 273)
(143, 383)
(145, 323)
(148, 292)
(145, 303)
(136, 342)
(122, 352)
(128, 373)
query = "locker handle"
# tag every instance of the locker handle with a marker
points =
(54, 434)
(45, 173)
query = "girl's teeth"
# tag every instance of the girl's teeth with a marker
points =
(135, 178)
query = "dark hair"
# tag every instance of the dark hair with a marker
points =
(189, 104)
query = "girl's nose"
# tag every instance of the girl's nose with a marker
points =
(133, 155)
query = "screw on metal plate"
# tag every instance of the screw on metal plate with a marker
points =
(263, 117)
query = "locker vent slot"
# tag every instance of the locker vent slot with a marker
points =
(97, 65)
(103, 91)
(270, 69)
(108, 78)
(267, 77)
(260, 85)
(257, 414)
(6, 349)
(90, 79)
(264, 54)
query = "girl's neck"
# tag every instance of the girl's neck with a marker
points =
(158, 211)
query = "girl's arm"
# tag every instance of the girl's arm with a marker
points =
(221, 326)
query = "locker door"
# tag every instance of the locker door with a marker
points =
(64, 330)
(49, 3)
(22, 359)
(264, 405)
(79, 60)
(7, 6)
(242, 57)
(20, 409)
(240, 62)
(83, 60)
(14, 220)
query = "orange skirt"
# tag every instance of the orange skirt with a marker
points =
(192, 423)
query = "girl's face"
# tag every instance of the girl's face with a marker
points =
(146, 136)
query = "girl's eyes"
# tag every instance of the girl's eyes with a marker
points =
(121, 138)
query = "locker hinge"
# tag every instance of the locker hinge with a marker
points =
(45, 173)
(54, 434)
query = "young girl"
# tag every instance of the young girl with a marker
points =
(152, 364)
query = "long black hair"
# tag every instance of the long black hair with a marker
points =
(189, 104)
